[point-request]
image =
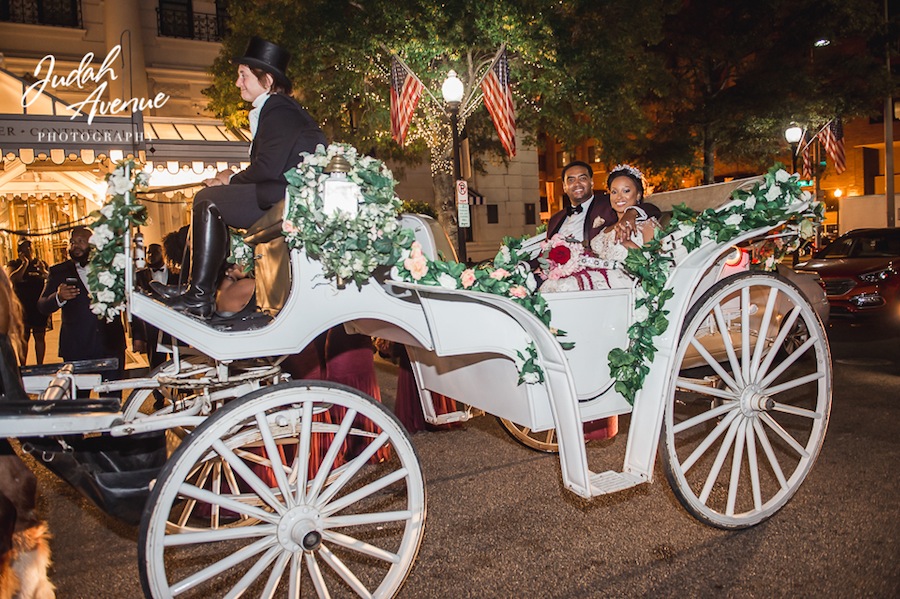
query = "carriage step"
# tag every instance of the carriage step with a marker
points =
(610, 482)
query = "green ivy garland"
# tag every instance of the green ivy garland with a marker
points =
(106, 271)
(770, 201)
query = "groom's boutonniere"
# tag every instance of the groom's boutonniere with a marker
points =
(598, 222)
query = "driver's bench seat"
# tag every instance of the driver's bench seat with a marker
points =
(273, 260)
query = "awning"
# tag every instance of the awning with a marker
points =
(194, 143)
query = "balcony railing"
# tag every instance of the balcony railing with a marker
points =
(57, 13)
(189, 25)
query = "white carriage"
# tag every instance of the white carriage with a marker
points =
(279, 484)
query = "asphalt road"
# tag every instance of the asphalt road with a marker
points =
(500, 524)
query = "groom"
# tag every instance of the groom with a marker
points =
(591, 211)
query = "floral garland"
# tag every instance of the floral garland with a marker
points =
(241, 252)
(765, 204)
(349, 246)
(106, 272)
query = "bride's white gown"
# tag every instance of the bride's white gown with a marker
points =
(594, 276)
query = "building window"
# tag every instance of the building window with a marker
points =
(58, 13)
(545, 207)
(176, 18)
(593, 154)
(530, 216)
(493, 214)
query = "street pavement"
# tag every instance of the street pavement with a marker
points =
(500, 523)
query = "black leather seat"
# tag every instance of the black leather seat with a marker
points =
(273, 260)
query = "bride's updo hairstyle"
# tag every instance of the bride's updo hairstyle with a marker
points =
(626, 170)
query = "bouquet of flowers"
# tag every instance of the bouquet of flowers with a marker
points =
(561, 257)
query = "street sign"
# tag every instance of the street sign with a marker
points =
(462, 203)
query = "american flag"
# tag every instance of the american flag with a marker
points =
(406, 90)
(499, 101)
(832, 138)
(806, 171)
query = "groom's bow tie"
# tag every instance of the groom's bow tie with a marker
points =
(570, 210)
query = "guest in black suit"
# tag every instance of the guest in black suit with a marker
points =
(591, 211)
(281, 129)
(145, 336)
(83, 335)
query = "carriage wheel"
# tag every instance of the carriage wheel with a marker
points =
(736, 454)
(542, 441)
(327, 480)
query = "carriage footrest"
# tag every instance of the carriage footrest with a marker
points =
(610, 482)
(58, 406)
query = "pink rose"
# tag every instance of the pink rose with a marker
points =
(518, 291)
(415, 250)
(499, 274)
(288, 226)
(417, 266)
(467, 278)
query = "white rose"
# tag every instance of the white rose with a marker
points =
(504, 253)
(734, 219)
(782, 175)
(530, 378)
(530, 283)
(106, 279)
(98, 309)
(641, 314)
(750, 202)
(101, 236)
(118, 184)
(773, 193)
(108, 210)
(119, 261)
(806, 196)
(106, 296)
(446, 281)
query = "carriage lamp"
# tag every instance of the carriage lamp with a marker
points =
(340, 194)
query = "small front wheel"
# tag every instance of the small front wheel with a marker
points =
(325, 482)
(736, 451)
(539, 441)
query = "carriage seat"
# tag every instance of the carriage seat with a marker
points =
(273, 264)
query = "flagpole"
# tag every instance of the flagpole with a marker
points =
(411, 72)
(477, 86)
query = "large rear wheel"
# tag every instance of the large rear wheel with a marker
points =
(737, 451)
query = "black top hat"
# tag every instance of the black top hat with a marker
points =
(265, 55)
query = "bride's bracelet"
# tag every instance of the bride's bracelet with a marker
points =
(590, 262)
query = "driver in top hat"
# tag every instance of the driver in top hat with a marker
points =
(281, 130)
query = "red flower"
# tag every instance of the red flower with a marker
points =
(560, 254)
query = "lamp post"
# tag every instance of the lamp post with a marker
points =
(793, 134)
(452, 90)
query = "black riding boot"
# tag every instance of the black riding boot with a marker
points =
(209, 248)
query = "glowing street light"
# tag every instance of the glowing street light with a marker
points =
(453, 90)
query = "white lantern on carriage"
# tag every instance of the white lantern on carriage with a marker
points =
(340, 193)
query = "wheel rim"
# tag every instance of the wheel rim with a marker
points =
(326, 519)
(736, 452)
(540, 441)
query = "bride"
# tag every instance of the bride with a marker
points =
(577, 271)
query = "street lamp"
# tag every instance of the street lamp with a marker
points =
(452, 90)
(793, 134)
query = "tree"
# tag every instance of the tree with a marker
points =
(571, 76)
(740, 71)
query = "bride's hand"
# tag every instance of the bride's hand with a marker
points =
(626, 226)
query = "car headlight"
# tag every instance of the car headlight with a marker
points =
(878, 275)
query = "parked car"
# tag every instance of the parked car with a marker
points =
(861, 272)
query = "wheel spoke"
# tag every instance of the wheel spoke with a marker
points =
(370, 518)
(763, 336)
(720, 459)
(684, 383)
(253, 573)
(363, 492)
(199, 494)
(707, 415)
(294, 582)
(301, 461)
(312, 566)
(360, 546)
(351, 469)
(344, 572)
(218, 535)
(328, 461)
(786, 325)
(222, 565)
(796, 411)
(714, 364)
(725, 333)
(745, 334)
(793, 384)
(708, 441)
(276, 459)
(784, 434)
(754, 466)
(248, 476)
(736, 461)
(188, 508)
(770, 453)
(275, 575)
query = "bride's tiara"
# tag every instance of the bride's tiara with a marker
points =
(628, 169)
